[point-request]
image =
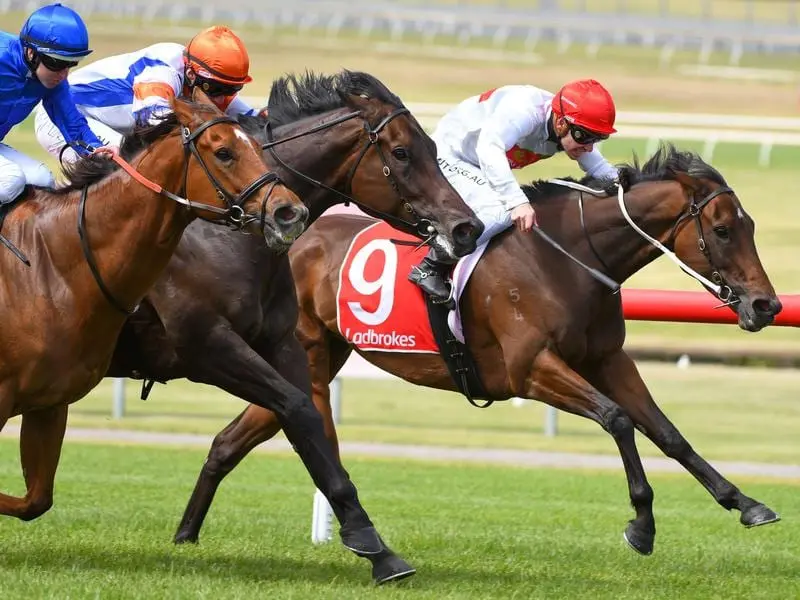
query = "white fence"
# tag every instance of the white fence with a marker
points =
(714, 26)
(711, 129)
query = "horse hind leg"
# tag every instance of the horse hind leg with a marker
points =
(555, 383)
(40, 440)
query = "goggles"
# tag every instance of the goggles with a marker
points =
(55, 64)
(215, 88)
(584, 136)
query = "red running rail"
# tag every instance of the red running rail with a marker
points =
(694, 307)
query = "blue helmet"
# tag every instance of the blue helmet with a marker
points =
(56, 30)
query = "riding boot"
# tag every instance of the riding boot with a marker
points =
(431, 275)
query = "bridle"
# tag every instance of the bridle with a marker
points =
(233, 215)
(419, 226)
(693, 211)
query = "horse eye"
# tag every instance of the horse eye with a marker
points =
(223, 154)
(400, 153)
(722, 232)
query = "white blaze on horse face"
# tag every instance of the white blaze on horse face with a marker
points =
(243, 136)
(740, 213)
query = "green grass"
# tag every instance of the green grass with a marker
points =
(726, 413)
(471, 531)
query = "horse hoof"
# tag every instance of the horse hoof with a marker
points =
(390, 568)
(758, 514)
(183, 537)
(362, 542)
(641, 541)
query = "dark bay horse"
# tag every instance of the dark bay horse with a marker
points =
(96, 247)
(539, 327)
(225, 311)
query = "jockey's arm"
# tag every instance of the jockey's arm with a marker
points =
(239, 107)
(153, 91)
(61, 109)
(510, 122)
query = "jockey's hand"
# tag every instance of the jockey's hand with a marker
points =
(524, 217)
(108, 152)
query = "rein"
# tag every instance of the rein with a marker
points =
(420, 227)
(717, 283)
(233, 215)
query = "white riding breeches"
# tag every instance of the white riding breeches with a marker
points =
(51, 139)
(17, 170)
(473, 188)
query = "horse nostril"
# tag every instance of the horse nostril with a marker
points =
(288, 214)
(466, 232)
(767, 306)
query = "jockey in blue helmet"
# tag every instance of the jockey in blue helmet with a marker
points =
(34, 67)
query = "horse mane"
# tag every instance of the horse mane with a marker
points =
(666, 162)
(661, 166)
(294, 97)
(91, 169)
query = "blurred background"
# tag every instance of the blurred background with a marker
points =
(716, 76)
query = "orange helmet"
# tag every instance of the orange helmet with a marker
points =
(218, 54)
(587, 104)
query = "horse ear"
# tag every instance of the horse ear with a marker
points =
(183, 110)
(200, 97)
(358, 101)
(689, 183)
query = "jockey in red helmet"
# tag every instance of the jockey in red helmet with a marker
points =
(482, 139)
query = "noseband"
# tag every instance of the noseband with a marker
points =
(419, 226)
(233, 215)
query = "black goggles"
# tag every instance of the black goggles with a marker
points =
(215, 88)
(56, 64)
(584, 136)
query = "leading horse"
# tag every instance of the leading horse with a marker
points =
(96, 247)
(540, 327)
(225, 311)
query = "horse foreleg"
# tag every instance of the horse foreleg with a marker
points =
(243, 373)
(254, 426)
(618, 377)
(552, 381)
(40, 440)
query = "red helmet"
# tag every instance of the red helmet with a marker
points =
(587, 104)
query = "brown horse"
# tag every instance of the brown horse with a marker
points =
(67, 308)
(539, 327)
(225, 311)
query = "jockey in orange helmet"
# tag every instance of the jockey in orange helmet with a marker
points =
(482, 139)
(217, 61)
(119, 93)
